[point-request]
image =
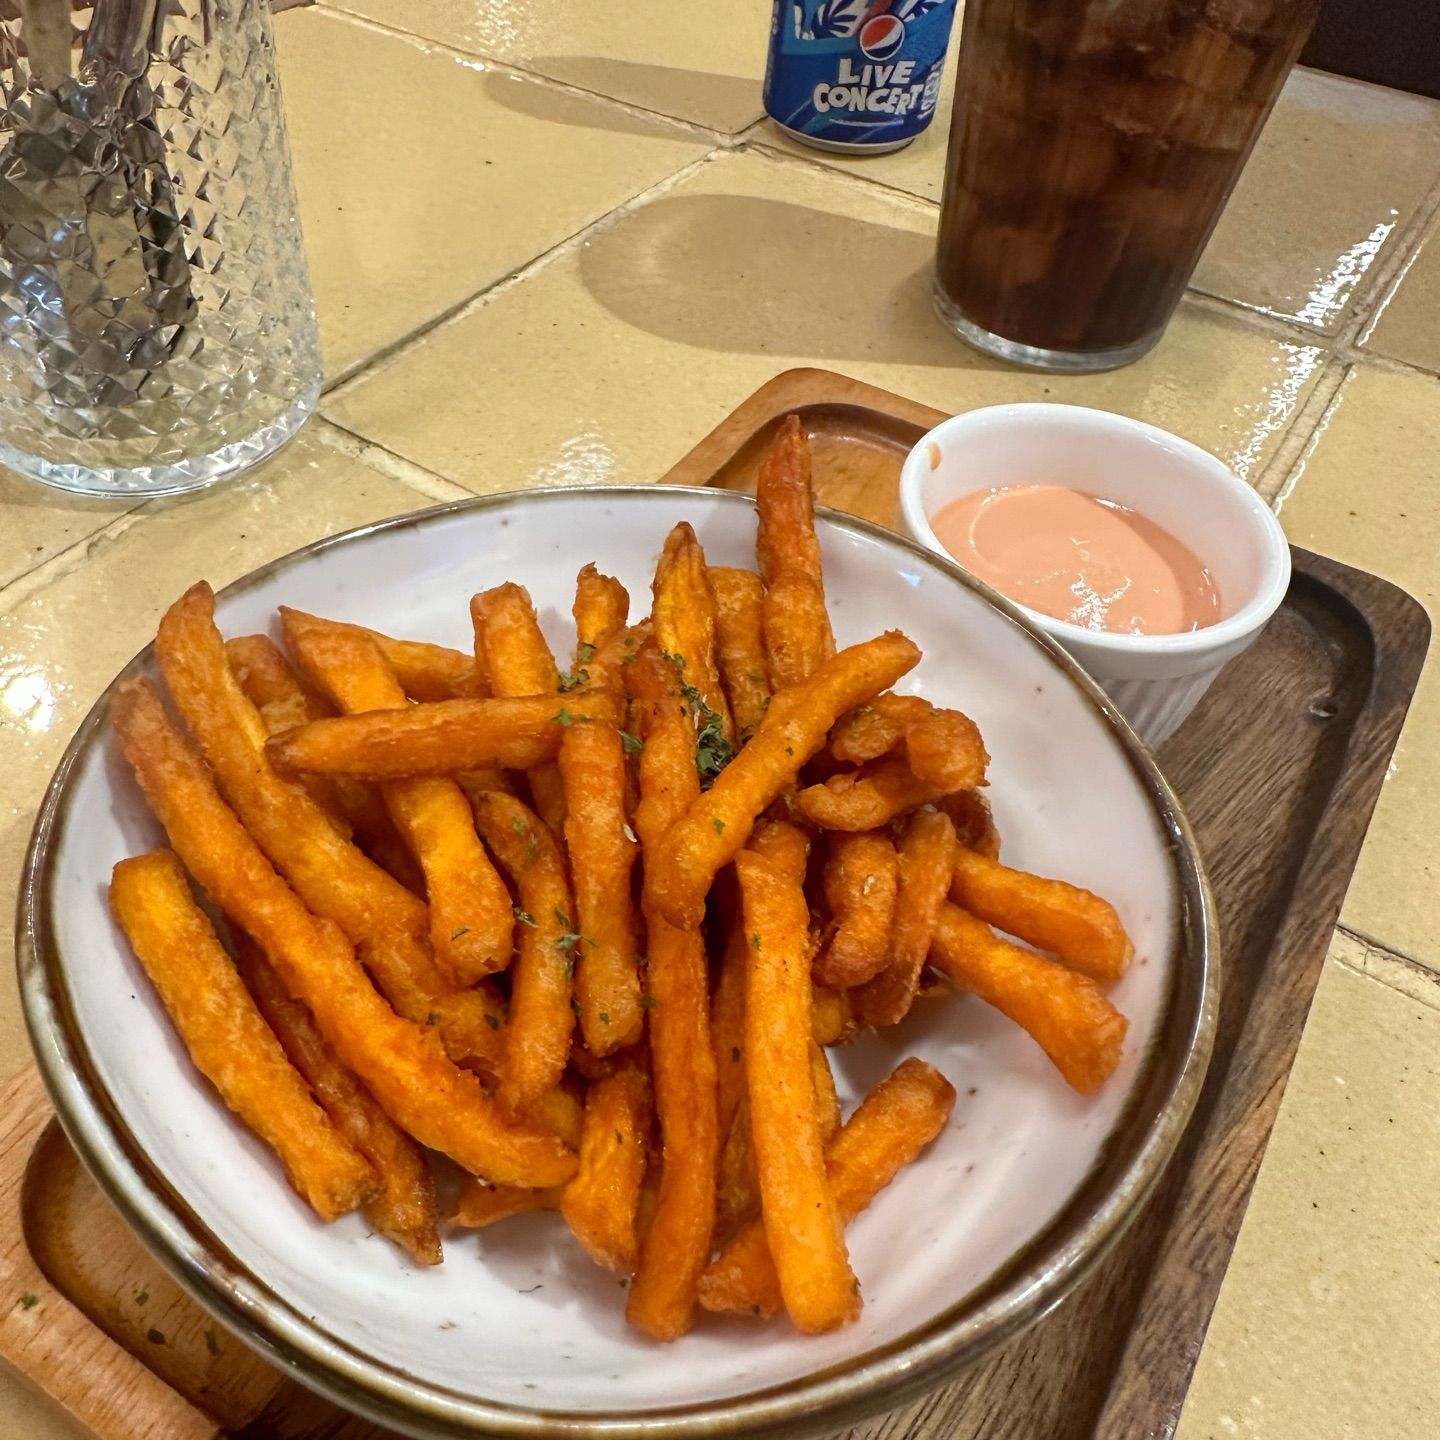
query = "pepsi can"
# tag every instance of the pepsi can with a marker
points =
(861, 76)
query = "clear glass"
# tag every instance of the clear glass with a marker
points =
(157, 331)
(1093, 146)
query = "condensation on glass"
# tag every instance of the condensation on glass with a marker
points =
(1093, 146)
(157, 331)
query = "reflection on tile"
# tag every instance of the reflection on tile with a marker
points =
(437, 176)
(1340, 168)
(700, 62)
(61, 645)
(1329, 1318)
(1407, 324)
(676, 313)
(1367, 495)
(37, 522)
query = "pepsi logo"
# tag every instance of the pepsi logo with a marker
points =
(882, 36)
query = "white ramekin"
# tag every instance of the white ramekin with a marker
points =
(1155, 680)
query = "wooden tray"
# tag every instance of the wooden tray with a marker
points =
(1279, 768)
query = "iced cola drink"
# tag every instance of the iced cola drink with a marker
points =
(1093, 145)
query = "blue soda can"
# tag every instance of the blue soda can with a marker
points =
(861, 76)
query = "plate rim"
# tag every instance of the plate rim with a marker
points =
(1014, 1297)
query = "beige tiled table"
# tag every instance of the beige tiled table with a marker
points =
(554, 241)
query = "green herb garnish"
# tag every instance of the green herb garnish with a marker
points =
(713, 752)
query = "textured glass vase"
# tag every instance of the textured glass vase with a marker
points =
(157, 331)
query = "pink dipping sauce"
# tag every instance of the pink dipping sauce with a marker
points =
(1076, 557)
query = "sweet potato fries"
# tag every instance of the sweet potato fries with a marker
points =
(593, 933)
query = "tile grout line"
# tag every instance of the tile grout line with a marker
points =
(719, 139)
(1274, 480)
(66, 561)
(382, 359)
(1376, 289)
(772, 151)
(1424, 977)
(1261, 321)
(391, 464)
(1389, 951)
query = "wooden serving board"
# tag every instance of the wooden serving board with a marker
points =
(1279, 769)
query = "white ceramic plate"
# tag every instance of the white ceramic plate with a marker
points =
(518, 1333)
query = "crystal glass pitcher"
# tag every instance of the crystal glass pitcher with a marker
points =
(157, 331)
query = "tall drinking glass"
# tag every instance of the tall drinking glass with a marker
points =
(157, 331)
(1093, 146)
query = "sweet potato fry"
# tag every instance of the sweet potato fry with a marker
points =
(927, 864)
(271, 684)
(1079, 928)
(601, 611)
(861, 880)
(404, 1210)
(785, 846)
(602, 854)
(737, 1188)
(510, 649)
(601, 1202)
(875, 729)
(684, 618)
(425, 671)
(284, 701)
(802, 1226)
(832, 1022)
(740, 645)
(440, 737)
(827, 1100)
(610, 669)
(228, 1038)
(537, 1041)
(332, 877)
(945, 750)
(470, 921)
(561, 1111)
(798, 637)
(713, 829)
(864, 799)
(402, 1065)
(893, 1124)
(969, 810)
(429, 672)
(1065, 1013)
(512, 654)
(727, 1023)
(676, 1246)
(480, 1204)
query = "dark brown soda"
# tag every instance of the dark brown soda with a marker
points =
(1093, 146)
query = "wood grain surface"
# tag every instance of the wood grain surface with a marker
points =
(1279, 769)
